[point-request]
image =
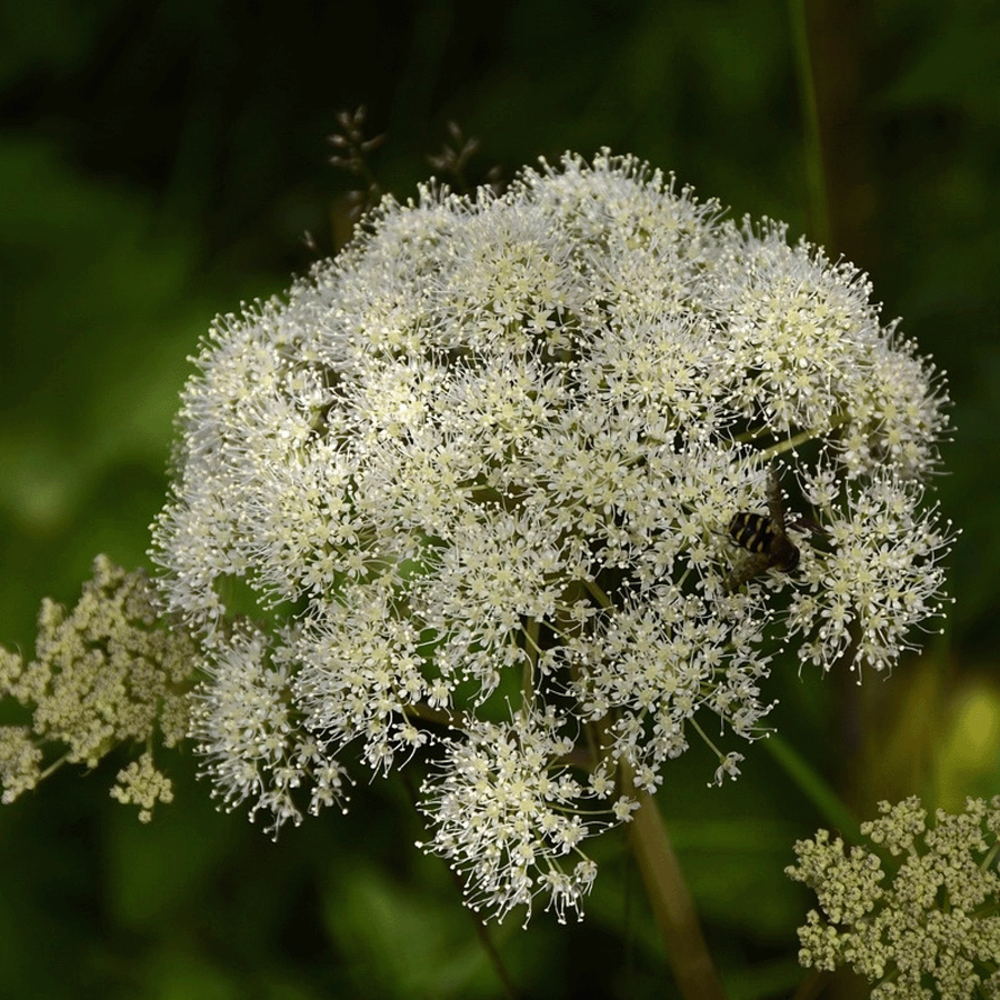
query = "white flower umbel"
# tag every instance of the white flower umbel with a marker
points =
(508, 474)
(506, 809)
(244, 726)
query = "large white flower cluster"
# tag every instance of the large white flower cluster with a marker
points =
(478, 478)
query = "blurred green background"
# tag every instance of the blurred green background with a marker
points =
(159, 163)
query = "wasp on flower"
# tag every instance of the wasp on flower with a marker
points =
(764, 536)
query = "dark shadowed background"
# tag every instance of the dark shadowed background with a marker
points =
(159, 163)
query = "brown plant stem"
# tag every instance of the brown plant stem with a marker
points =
(672, 905)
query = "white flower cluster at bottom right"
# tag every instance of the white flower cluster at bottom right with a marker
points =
(919, 912)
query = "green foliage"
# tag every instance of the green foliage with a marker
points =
(98, 319)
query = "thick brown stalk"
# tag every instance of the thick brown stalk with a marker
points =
(672, 905)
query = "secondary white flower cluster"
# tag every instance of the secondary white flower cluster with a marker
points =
(106, 673)
(479, 475)
(507, 809)
(929, 929)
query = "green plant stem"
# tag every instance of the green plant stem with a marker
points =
(813, 985)
(814, 787)
(815, 176)
(672, 904)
